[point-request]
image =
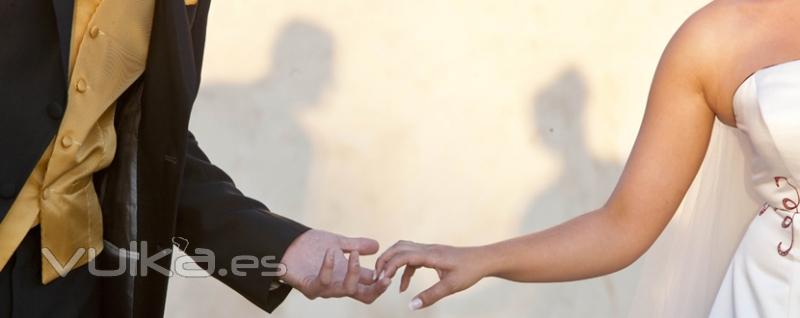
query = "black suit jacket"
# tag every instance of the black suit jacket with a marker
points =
(160, 186)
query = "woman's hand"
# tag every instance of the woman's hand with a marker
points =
(458, 268)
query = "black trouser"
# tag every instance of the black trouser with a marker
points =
(22, 294)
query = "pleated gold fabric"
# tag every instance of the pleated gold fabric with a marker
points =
(108, 53)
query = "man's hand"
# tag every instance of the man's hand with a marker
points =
(316, 266)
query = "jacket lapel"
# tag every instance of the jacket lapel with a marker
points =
(63, 12)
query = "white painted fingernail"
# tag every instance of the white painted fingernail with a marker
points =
(383, 274)
(415, 304)
(374, 276)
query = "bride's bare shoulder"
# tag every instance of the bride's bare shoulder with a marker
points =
(709, 42)
(725, 18)
(717, 28)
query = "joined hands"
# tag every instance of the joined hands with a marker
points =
(317, 266)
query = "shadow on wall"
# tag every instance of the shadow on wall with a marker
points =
(270, 109)
(583, 184)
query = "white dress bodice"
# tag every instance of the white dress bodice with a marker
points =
(765, 104)
(763, 278)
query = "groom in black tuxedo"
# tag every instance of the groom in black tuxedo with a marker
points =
(155, 188)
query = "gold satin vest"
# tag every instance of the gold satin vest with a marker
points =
(108, 51)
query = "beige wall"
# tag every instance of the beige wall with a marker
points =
(452, 121)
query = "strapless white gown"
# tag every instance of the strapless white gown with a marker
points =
(763, 278)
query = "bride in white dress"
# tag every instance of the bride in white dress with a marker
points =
(725, 97)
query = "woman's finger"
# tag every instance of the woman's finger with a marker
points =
(408, 272)
(431, 295)
(410, 258)
(398, 247)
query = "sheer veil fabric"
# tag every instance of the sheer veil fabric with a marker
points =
(684, 268)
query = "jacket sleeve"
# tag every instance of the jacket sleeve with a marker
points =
(214, 215)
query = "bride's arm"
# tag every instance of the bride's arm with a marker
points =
(668, 151)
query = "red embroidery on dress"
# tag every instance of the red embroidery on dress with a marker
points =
(763, 208)
(790, 206)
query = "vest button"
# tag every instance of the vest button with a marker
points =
(66, 141)
(55, 110)
(7, 190)
(94, 31)
(81, 86)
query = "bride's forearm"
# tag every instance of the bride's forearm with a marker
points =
(593, 244)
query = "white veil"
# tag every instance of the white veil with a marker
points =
(683, 270)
